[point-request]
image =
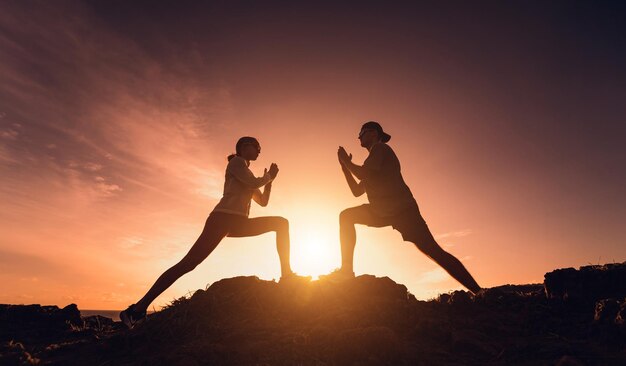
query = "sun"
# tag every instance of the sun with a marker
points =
(315, 252)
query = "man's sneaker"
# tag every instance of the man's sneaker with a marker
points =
(293, 277)
(338, 275)
(130, 317)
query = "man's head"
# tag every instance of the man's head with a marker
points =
(371, 133)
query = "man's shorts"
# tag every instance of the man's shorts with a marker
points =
(408, 222)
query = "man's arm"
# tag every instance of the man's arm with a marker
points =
(262, 198)
(358, 170)
(372, 164)
(356, 188)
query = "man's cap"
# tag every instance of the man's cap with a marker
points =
(373, 125)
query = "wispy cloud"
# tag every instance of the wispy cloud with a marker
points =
(130, 242)
(106, 189)
(101, 116)
(10, 134)
(454, 234)
(434, 276)
(6, 157)
(100, 139)
(100, 97)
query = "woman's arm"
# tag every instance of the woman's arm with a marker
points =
(262, 198)
(237, 167)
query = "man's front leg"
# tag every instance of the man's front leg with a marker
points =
(347, 237)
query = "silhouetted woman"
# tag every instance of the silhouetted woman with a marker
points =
(229, 218)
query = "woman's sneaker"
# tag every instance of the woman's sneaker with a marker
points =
(338, 275)
(130, 317)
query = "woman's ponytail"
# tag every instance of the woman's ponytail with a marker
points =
(231, 156)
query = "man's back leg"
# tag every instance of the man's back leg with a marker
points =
(447, 261)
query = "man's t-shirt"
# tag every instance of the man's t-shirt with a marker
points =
(383, 183)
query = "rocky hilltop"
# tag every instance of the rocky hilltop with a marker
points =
(576, 317)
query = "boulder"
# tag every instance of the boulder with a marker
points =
(24, 321)
(588, 284)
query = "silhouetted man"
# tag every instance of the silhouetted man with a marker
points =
(391, 204)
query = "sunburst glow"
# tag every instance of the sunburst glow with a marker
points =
(315, 252)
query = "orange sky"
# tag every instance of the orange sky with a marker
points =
(115, 131)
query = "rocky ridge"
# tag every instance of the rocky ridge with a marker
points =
(576, 317)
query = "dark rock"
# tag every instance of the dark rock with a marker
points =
(606, 310)
(569, 361)
(444, 298)
(620, 318)
(512, 296)
(558, 282)
(384, 287)
(363, 321)
(461, 300)
(606, 326)
(98, 322)
(473, 342)
(372, 345)
(14, 353)
(588, 284)
(23, 321)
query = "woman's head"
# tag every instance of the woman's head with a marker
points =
(248, 148)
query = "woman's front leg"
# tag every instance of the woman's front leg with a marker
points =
(260, 225)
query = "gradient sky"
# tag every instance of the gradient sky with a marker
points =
(116, 120)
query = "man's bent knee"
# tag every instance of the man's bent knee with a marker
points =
(281, 224)
(346, 217)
